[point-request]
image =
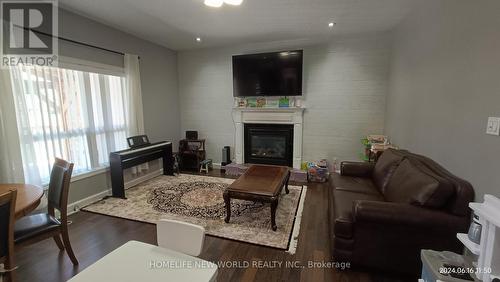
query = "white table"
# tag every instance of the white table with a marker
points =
(137, 261)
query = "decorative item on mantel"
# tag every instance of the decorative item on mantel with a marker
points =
(251, 102)
(268, 102)
(298, 102)
(241, 103)
(272, 103)
(284, 102)
(261, 102)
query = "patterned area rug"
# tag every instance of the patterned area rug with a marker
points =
(198, 199)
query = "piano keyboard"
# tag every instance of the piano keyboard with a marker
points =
(121, 160)
(130, 151)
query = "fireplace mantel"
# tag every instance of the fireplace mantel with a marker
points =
(292, 115)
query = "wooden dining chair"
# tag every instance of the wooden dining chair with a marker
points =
(180, 236)
(7, 211)
(34, 228)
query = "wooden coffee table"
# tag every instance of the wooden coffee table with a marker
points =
(260, 183)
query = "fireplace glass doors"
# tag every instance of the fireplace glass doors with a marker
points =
(269, 144)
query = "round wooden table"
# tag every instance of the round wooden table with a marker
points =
(28, 197)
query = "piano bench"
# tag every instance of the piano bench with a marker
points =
(205, 165)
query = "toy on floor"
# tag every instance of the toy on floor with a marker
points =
(205, 165)
(318, 171)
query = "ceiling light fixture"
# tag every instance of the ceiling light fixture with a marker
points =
(214, 3)
(330, 25)
(218, 3)
(198, 39)
(233, 2)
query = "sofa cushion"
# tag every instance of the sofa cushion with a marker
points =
(384, 168)
(413, 183)
(343, 210)
(463, 191)
(354, 184)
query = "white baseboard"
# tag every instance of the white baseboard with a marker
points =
(219, 165)
(75, 206)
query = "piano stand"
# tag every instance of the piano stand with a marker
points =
(121, 160)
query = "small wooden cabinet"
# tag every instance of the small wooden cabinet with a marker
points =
(191, 153)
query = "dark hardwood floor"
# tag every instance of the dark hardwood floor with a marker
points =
(93, 236)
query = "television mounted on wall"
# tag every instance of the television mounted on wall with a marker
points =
(268, 74)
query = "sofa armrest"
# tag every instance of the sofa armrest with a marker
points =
(400, 231)
(360, 169)
(389, 213)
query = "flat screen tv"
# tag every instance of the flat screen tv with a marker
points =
(268, 74)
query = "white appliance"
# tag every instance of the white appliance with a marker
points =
(488, 249)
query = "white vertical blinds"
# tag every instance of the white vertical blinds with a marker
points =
(70, 114)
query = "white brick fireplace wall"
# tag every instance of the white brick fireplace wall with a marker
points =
(344, 88)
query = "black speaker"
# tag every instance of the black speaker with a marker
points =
(191, 135)
(226, 155)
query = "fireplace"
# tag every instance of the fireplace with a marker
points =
(268, 144)
(292, 116)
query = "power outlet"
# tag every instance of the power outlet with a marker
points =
(493, 127)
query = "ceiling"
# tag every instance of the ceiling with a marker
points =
(176, 23)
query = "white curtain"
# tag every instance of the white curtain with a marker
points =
(11, 165)
(80, 116)
(133, 104)
(75, 115)
(134, 95)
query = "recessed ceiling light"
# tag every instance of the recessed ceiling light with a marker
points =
(218, 3)
(214, 3)
(233, 2)
(331, 24)
(198, 39)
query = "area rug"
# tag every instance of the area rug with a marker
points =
(198, 200)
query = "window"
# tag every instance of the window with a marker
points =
(71, 114)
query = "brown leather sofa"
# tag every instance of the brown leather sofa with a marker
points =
(382, 215)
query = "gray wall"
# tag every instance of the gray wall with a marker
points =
(345, 86)
(158, 67)
(444, 83)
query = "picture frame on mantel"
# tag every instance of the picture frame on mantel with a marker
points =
(252, 102)
(272, 103)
